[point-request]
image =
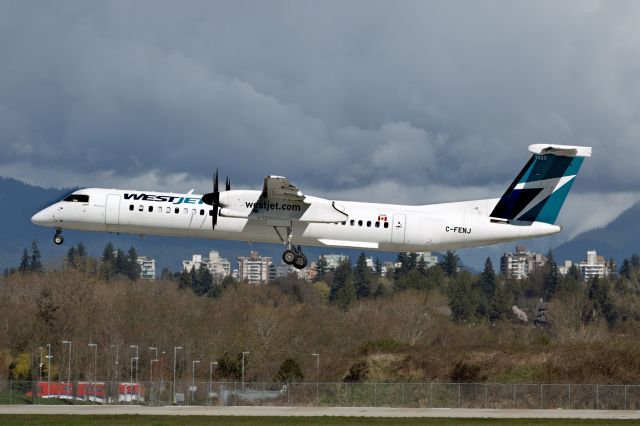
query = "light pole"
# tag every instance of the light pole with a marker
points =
(137, 357)
(243, 354)
(317, 374)
(161, 369)
(115, 370)
(211, 364)
(175, 350)
(193, 375)
(41, 363)
(95, 360)
(131, 378)
(49, 368)
(68, 342)
(152, 348)
(151, 373)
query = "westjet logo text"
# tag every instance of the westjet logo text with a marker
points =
(264, 205)
(163, 198)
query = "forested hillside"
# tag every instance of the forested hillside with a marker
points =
(415, 324)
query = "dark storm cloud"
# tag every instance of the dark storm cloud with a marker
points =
(336, 95)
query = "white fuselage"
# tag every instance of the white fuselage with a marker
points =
(368, 225)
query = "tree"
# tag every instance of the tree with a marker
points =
(460, 302)
(24, 262)
(71, 256)
(120, 263)
(229, 367)
(35, 264)
(322, 267)
(487, 280)
(450, 263)
(493, 298)
(185, 280)
(602, 303)
(358, 371)
(107, 268)
(407, 262)
(551, 277)
(342, 290)
(132, 267)
(289, 371)
(362, 277)
(377, 267)
(202, 280)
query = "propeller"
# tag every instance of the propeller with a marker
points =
(213, 198)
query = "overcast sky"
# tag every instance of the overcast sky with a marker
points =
(405, 101)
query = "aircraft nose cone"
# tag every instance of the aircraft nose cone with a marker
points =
(41, 218)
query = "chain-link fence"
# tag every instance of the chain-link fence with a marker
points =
(418, 395)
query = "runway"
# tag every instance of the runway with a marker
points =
(93, 410)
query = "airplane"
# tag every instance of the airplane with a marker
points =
(281, 213)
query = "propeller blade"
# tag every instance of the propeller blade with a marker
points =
(227, 185)
(213, 199)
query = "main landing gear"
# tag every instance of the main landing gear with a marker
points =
(57, 238)
(292, 255)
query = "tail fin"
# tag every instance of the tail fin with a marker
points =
(539, 191)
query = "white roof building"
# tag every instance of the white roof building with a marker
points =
(147, 267)
(217, 265)
(254, 268)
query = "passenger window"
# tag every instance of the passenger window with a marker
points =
(168, 209)
(344, 223)
(353, 222)
(359, 223)
(177, 210)
(150, 209)
(377, 224)
(131, 207)
(386, 225)
(368, 224)
(210, 212)
(193, 212)
(140, 207)
(185, 211)
(201, 212)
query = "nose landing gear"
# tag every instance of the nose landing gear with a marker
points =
(57, 238)
(292, 255)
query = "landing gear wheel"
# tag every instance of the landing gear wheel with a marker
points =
(300, 261)
(58, 240)
(289, 256)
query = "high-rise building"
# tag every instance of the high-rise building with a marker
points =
(217, 265)
(147, 267)
(279, 271)
(254, 269)
(521, 263)
(564, 268)
(334, 260)
(428, 258)
(593, 266)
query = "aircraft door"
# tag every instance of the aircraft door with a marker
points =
(397, 233)
(112, 210)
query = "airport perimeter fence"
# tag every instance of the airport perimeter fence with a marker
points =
(339, 394)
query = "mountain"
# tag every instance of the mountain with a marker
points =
(20, 201)
(618, 240)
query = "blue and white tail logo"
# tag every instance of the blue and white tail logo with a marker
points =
(539, 191)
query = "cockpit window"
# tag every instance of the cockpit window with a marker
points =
(77, 198)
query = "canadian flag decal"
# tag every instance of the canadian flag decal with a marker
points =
(382, 218)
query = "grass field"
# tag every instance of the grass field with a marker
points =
(6, 420)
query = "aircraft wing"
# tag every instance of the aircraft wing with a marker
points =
(279, 188)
